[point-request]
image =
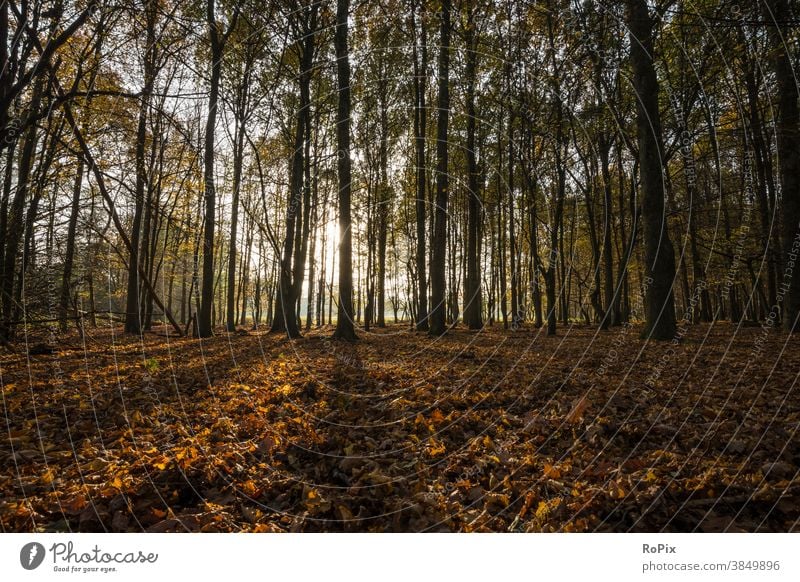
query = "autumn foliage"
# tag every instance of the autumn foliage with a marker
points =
(474, 431)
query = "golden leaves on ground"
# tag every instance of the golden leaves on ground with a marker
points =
(495, 431)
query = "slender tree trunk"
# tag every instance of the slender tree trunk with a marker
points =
(15, 221)
(7, 183)
(536, 262)
(344, 324)
(565, 275)
(610, 317)
(238, 155)
(472, 285)
(133, 323)
(204, 315)
(5, 71)
(622, 270)
(384, 201)
(438, 290)
(659, 253)
(560, 187)
(502, 285)
(788, 137)
(293, 255)
(594, 292)
(312, 252)
(69, 252)
(516, 317)
(420, 130)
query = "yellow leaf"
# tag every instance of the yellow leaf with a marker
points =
(75, 505)
(161, 464)
(435, 449)
(617, 492)
(542, 510)
(576, 414)
(97, 464)
(530, 497)
(551, 472)
(249, 488)
(314, 502)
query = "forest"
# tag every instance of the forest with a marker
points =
(399, 265)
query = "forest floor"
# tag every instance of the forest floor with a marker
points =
(476, 431)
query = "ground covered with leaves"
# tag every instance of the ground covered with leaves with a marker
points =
(476, 431)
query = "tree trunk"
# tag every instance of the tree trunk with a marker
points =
(133, 323)
(560, 168)
(238, 155)
(204, 315)
(69, 252)
(293, 255)
(659, 253)
(472, 285)
(788, 137)
(420, 130)
(438, 324)
(344, 324)
(516, 316)
(15, 221)
(610, 317)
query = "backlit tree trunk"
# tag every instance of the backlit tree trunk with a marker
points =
(344, 324)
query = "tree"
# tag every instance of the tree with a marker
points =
(472, 285)
(777, 14)
(133, 319)
(292, 266)
(344, 323)
(241, 111)
(420, 56)
(217, 40)
(659, 254)
(72, 225)
(16, 213)
(559, 147)
(439, 240)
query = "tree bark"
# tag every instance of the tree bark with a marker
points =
(472, 286)
(291, 269)
(344, 324)
(420, 130)
(15, 221)
(788, 137)
(438, 279)
(659, 253)
(133, 323)
(238, 155)
(204, 315)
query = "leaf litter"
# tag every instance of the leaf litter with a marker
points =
(490, 431)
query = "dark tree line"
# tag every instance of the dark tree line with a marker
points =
(301, 163)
